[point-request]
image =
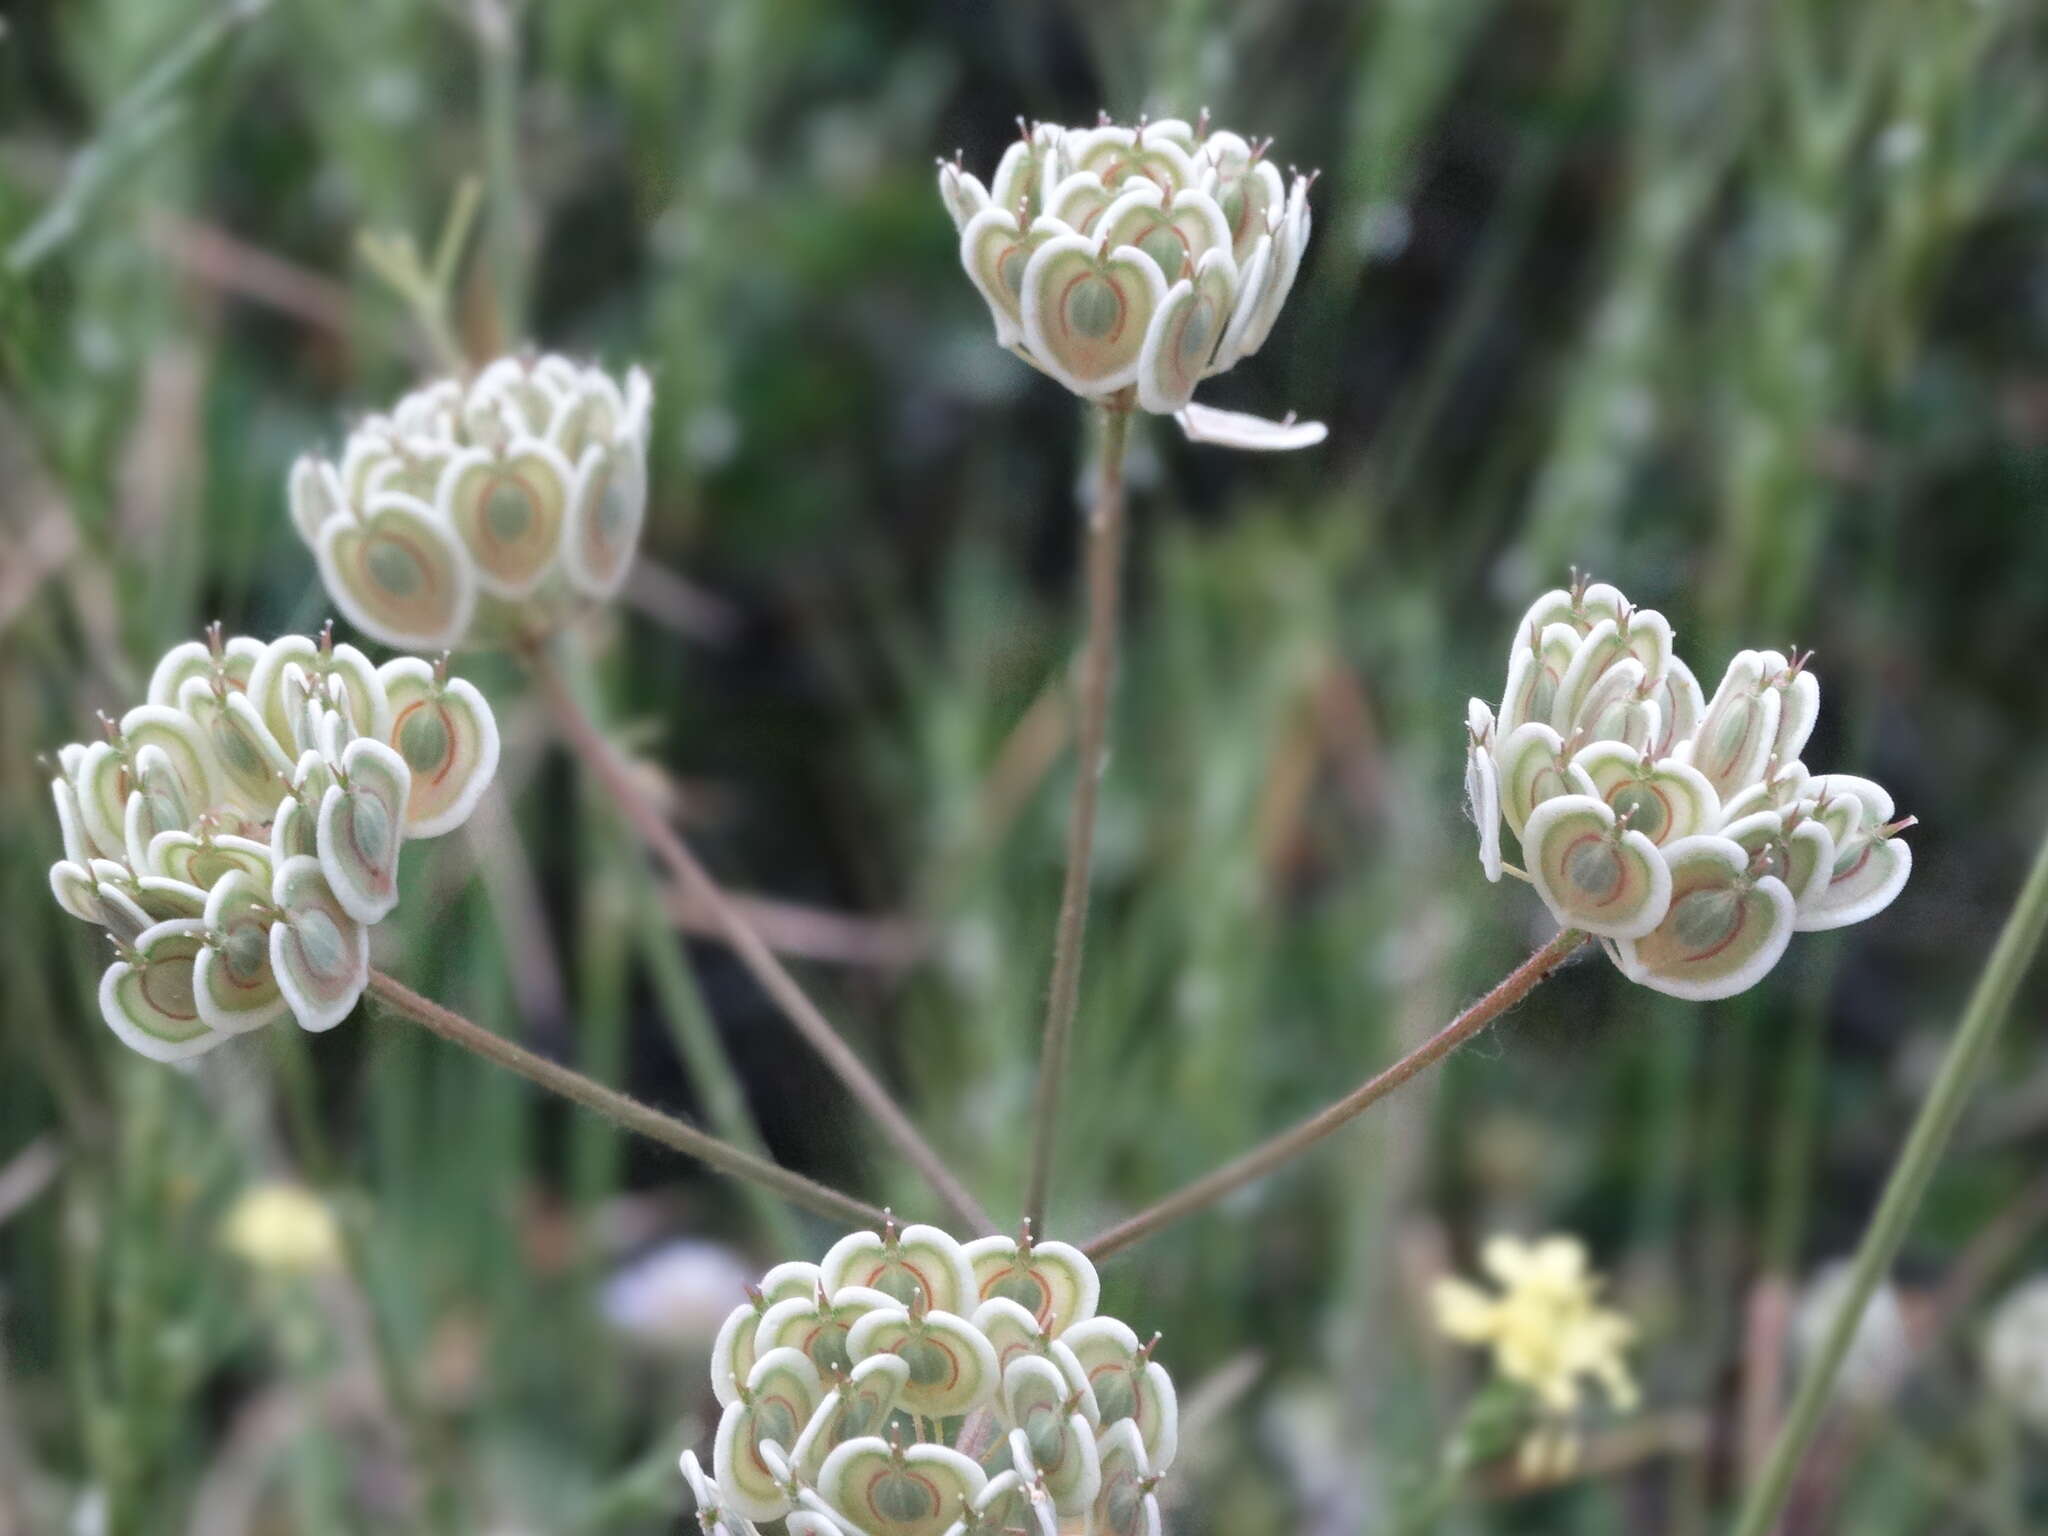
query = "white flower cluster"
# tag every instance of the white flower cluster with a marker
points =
(485, 512)
(238, 834)
(2016, 1352)
(1142, 259)
(1880, 1350)
(910, 1385)
(1685, 831)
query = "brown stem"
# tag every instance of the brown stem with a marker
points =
(619, 1108)
(1263, 1159)
(705, 893)
(1098, 673)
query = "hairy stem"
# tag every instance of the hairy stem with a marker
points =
(1289, 1144)
(1098, 673)
(621, 1109)
(590, 744)
(1988, 1006)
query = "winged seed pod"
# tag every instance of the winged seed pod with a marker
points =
(238, 834)
(1549, 1338)
(1137, 262)
(1684, 830)
(484, 511)
(911, 1385)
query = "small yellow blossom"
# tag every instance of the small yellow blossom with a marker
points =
(1548, 1335)
(283, 1227)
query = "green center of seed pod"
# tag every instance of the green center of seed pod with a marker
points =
(165, 810)
(1166, 248)
(1644, 808)
(897, 1281)
(861, 1416)
(1121, 1503)
(237, 752)
(1232, 202)
(574, 433)
(1046, 1430)
(1115, 1395)
(508, 510)
(1094, 307)
(1594, 867)
(1194, 336)
(1010, 268)
(1022, 1287)
(369, 828)
(930, 1365)
(611, 511)
(775, 1419)
(1548, 784)
(1706, 918)
(209, 864)
(168, 986)
(1733, 732)
(415, 480)
(394, 568)
(1611, 724)
(164, 796)
(828, 1348)
(322, 943)
(245, 949)
(901, 1496)
(423, 737)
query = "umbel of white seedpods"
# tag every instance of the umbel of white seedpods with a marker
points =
(482, 512)
(1134, 262)
(1685, 831)
(238, 834)
(910, 1385)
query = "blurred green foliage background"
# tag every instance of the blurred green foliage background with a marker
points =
(1739, 306)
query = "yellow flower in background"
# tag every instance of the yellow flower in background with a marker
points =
(282, 1227)
(1548, 1334)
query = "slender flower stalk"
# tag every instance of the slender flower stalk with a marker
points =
(1098, 676)
(621, 1109)
(589, 743)
(1989, 1004)
(1289, 1144)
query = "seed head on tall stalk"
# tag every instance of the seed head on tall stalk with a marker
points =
(1128, 263)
